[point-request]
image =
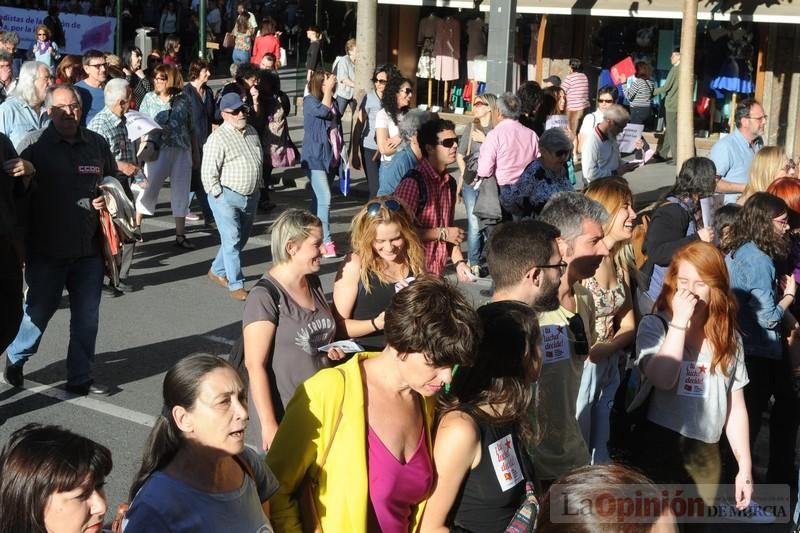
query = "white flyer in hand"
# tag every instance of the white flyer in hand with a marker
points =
(345, 346)
(557, 121)
(708, 206)
(627, 139)
(139, 124)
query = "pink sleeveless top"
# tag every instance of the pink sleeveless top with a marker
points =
(395, 488)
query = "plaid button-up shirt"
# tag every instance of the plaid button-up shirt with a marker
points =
(437, 212)
(112, 129)
(232, 159)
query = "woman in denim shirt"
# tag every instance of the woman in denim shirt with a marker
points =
(758, 239)
(319, 155)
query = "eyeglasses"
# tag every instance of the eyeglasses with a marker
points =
(605, 101)
(160, 78)
(781, 222)
(562, 267)
(407, 90)
(762, 117)
(98, 65)
(449, 143)
(374, 208)
(379, 81)
(579, 341)
(238, 110)
(479, 103)
(71, 107)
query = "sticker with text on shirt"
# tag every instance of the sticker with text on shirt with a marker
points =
(555, 343)
(506, 465)
(693, 381)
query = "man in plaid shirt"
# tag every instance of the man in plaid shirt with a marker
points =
(435, 217)
(110, 124)
(231, 174)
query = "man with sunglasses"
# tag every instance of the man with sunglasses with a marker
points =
(231, 174)
(601, 157)
(429, 192)
(606, 97)
(91, 88)
(567, 334)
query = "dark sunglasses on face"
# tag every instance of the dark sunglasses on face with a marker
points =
(376, 80)
(161, 78)
(449, 143)
(238, 111)
(407, 90)
(478, 104)
(562, 153)
(374, 208)
(605, 101)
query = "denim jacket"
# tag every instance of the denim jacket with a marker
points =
(318, 119)
(753, 282)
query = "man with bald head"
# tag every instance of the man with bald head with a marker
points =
(63, 248)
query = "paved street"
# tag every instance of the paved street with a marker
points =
(176, 312)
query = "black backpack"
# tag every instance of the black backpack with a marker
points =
(422, 197)
(236, 356)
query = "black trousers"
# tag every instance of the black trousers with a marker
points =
(10, 293)
(771, 378)
(371, 169)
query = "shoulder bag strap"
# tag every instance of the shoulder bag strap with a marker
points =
(246, 466)
(324, 457)
(469, 141)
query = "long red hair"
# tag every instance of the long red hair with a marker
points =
(720, 326)
(788, 190)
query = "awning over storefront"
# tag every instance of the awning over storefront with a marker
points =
(780, 11)
(458, 4)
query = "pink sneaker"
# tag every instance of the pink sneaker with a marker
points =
(193, 217)
(330, 249)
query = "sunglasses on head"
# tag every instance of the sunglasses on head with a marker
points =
(449, 143)
(374, 208)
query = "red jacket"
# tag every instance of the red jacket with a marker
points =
(266, 44)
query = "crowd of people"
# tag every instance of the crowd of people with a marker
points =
(616, 349)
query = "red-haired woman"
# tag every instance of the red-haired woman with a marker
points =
(692, 359)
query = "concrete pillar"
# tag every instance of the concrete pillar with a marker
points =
(366, 24)
(500, 53)
(685, 137)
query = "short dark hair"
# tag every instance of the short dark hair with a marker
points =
(128, 52)
(743, 110)
(428, 133)
(39, 461)
(269, 55)
(196, 67)
(610, 90)
(316, 29)
(575, 64)
(92, 54)
(247, 71)
(516, 247)
(431, 316)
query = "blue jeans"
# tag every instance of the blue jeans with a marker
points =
(234, 214)
(474, 236)
(46, 279)
(321, 200)
(241, 56)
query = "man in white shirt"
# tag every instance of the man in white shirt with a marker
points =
(601, 157)
(606, 97)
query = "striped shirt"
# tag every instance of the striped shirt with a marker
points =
(232, 159)
(576, 85)
(640, 92)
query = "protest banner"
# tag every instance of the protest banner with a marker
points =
(82, 32)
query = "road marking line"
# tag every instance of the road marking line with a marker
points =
(217, 338)
(53, 391)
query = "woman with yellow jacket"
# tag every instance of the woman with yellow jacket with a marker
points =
(353, 451)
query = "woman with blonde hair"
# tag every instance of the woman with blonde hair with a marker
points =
(484, 111)
(615, 323)
(769, 164)
(286, 322)
(167, 105)
(386, 255)
(693, 361)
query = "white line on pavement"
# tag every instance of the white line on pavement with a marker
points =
(217, 338)
(53, 391)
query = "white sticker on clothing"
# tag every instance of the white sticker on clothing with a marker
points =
(693, 380)
(555, 343)
(506, 465)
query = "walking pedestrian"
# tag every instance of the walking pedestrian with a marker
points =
(231, 174)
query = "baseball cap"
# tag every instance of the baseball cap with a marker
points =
(231, 101)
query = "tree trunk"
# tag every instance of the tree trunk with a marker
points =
(366, 24)
(685, 136)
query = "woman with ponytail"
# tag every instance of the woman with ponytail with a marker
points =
(196, 474)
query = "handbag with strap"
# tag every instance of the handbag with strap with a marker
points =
(309, 514)
(229, 41)
(524, 520)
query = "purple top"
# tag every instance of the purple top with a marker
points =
(395, 488)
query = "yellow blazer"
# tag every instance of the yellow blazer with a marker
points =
(305, 431)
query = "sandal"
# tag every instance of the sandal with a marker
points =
(181, 241)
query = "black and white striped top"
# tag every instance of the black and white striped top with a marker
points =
(640, 93)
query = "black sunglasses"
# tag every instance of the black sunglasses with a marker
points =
(449, 143)
(562, 153)
(376, 80)
(374, 208)
(579, 340)
(244, 109)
